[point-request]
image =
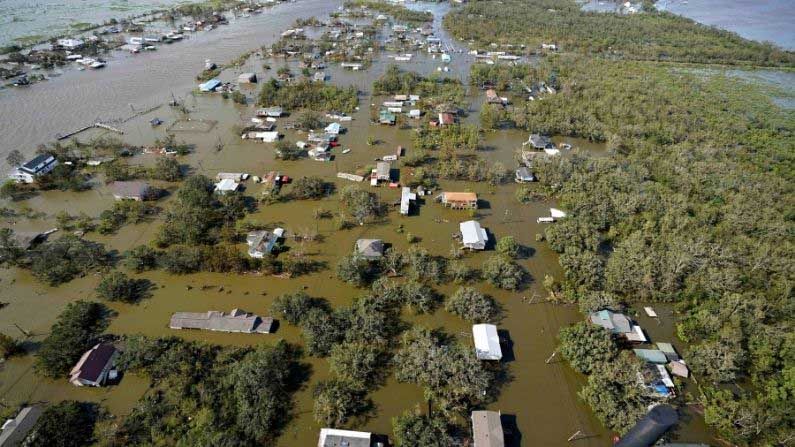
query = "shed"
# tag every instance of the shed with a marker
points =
(651, 356)
(472, 235)
(487, 342)
(415, 113)
(273, 112)
(210, 85)
(133, 190)
(487, 429)
(92, 368)
(370, 249)
(247, 78)
(332, 437)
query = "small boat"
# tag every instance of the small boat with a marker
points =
(97, 64)
(156, 122)
(565, 146)
(345, 151)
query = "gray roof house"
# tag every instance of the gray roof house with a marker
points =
(618, 324)
(523, 175)
(93, 367)
(133, 190)
(235, 321)
(261, 243)
(370, 249)
(15, 430)
(539, 142)
(487, 429)
(332, 437)
(39, 165)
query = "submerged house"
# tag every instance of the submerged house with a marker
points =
(226, 185)
(261, 243)
(406, 197)
(235, 321)
(132, 190)
(334, 129)
(487, 429)
(473, 236)
(487, 342)
(386, 117)
(618, 324)
(459, 200)
(93, 367)
(332, 437)
(523, 175)
(270, 112)
(539, 142)
(370, 249)
(38, 166)
(247, 78)
(15, 430)
(209, 86)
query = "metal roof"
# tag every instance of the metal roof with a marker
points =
(487, 342)
(487, 429)
(473, 235)
(330, 437)
(370, 248)
(235, 321)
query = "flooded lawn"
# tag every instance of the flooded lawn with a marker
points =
(540, 396)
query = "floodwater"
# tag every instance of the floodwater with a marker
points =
(540, 397)
(764, 21)
(24, 19)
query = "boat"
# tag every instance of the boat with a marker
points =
(565, 146)
(345, 151)
(97, 64)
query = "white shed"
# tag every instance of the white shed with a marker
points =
(473, 236)
(487, 342)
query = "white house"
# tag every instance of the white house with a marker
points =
(334, 129)
(473, 235)
(487, 342)
(226, 185)
(261, 243)
(406, 197)
(332, 437)
(40, 165)
(70, 44)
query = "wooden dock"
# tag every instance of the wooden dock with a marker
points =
(91, 126)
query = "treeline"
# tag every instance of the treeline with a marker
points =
(398, 12)
(205, 394)
(304, 94)
(693, 206)
(651, 35)
(433, 90)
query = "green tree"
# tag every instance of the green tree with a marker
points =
(337, 402)
(586, 346)
(354, 269)
(75, 331)
(359, 363)
(413, 428)
(9, 346)
(502, 272)
(508, 246)
(472, 305)
(294, 307)
(66, 424)
(117, 286)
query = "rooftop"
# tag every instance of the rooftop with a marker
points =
(91, 364)
(370, 248)
(330, 437)
(235, 321)
(487, 429)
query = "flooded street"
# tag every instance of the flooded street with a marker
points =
(540, 397)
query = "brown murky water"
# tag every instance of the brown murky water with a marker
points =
(541, 397)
